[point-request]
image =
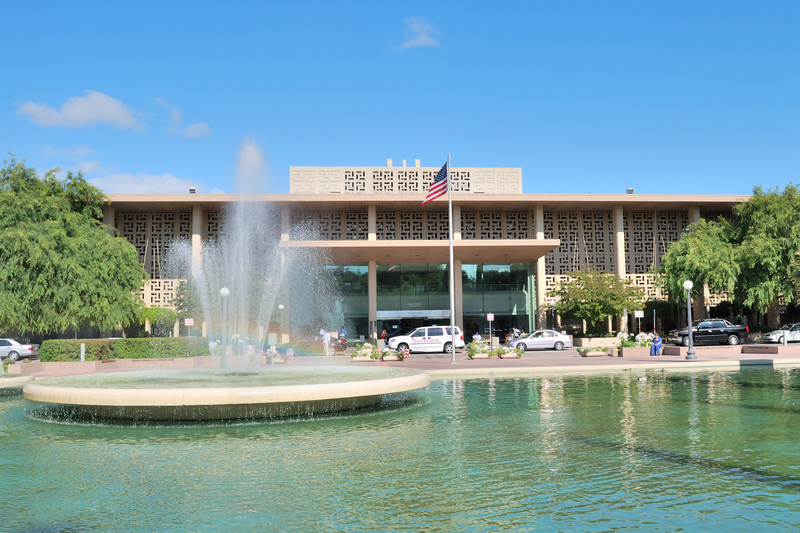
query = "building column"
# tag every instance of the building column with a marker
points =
(457, 223)
(541, 281)
(694, 214)
(459, 296)
(372, 223)
(372, 295)
(619, 259)
(108, 219)
(197, 238)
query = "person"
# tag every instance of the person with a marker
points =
(656, 348)
(342, 333)
(476, 337)
(516, 333)
(384, 336)
(326, 341)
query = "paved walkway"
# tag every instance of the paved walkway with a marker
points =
(533, 362)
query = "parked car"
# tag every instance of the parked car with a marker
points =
(710, 331)
(16, 350)
(790, 331)
(428, 339)
(542, 339)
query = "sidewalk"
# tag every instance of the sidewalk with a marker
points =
(441, 366)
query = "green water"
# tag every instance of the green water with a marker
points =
(701, 452)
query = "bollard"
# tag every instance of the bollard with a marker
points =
(83, 352)
(785, 342)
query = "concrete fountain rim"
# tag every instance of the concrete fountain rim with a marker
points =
(47, 391)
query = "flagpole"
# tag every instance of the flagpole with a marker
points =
(452, 273)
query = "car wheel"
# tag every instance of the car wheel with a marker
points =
(448, 347)
(521, 345)
(733, 339)
(14, 356)
(685, 341)
(402, 347)
(558, 346)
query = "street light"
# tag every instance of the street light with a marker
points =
(553, 313)
(224, 292)
(688, 286)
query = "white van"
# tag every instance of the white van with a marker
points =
(428, 339)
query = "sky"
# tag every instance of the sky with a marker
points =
(699, 97)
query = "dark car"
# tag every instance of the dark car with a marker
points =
(710, 331)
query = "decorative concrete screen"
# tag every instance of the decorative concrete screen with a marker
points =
(401, 180)
(497, 226)
(152, 234)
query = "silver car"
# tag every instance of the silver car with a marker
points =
(15, 350)
(542, 339)
(791, 331)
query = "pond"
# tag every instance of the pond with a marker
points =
(700, 451)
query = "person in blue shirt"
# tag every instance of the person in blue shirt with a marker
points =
(656, 348)
(342, 333)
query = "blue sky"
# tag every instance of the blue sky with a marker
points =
(592, 97)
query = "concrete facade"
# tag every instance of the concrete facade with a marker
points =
(370, 217)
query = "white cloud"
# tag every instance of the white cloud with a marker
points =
(144, 184)
(82, 111)
(95, 167)
(76, 152)
(196, 131)
(422, 31)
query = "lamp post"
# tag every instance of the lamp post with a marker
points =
(553, 314)
(688, 286)
(224, 292)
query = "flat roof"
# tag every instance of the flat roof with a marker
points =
(413, 202)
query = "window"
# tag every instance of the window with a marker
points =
(435, 332)
(419, 333)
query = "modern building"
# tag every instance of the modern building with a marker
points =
(391, 252)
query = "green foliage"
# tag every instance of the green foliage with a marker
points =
(161, 320)
(102, 349)
(593, 295)
(767, 231)
(59, 267)
(752, 258)
(703, 255)
(187, 301)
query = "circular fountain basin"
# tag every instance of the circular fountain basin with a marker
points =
(201, 394)
(14, 382)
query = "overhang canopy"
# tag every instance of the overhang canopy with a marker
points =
(431, 251)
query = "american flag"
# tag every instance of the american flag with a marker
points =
(439, 185)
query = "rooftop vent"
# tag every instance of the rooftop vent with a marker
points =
(630, 190)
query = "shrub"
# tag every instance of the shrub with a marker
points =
(101, 349)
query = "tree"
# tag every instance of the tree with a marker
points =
(703, 255)
(161, 320)
(594, 295)
(59, 267)
(752, 258)
(766, 229)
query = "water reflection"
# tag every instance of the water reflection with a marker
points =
(698, 451)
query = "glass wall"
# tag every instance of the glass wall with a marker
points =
(338, 297)
(506, 290)
(413, 287)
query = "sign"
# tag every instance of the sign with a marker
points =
(638, 314)
(188, 321)
(490, 317)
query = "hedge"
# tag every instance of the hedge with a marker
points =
(101, 349)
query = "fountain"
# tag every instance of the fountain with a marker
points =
(237, 280)
(11, 383)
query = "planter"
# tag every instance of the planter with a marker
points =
(510, 355)
(635, 351)
(586, 342)
(391, 358)
(362, 359)
(596, 353)
(481, 356)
